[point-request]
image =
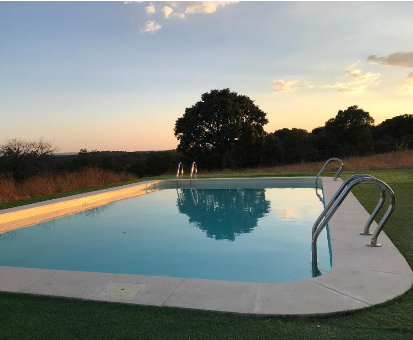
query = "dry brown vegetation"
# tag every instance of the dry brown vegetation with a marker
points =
(391, 160)
(46, 183)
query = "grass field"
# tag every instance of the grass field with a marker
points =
(36, 317)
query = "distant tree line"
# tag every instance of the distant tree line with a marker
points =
(25, 163)
(223, 130)
(226, 130)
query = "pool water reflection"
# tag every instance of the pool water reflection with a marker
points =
(253, 235)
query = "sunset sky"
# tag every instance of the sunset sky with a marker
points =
(117, 75)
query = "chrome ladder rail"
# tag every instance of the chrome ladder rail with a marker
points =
(318, 195)
(180, 171)
(336, 196)
(325, 165)
(373, 215)
(336, 201)
(194, 171)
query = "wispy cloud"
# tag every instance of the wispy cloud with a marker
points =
(407, 85)
(151, 27)
(359, 76)
(178, 15)
(404, 59)
(346, 88)
(357, 82)
(353, 81)
(309, 85)
(284, 85)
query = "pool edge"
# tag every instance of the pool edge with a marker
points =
(360, 277)
(30, 214)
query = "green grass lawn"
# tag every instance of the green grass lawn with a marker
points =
(36, 317)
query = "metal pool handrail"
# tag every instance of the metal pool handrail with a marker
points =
(194, 171)
(373, 215)
(336, 196)
(335, 202)
(326, 163)
(331, 209)
(318, 195)
(180, 171)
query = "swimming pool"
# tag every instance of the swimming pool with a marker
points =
(255, 230)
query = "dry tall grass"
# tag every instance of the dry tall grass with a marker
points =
(391, 160)
(46, 184)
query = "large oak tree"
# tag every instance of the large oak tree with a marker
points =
(221, 122)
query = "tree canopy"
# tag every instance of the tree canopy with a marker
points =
(350, 130)
(296, 143)
(394, 129)
(25, 158)
(220, 125)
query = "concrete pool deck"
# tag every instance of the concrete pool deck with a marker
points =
(361, 276)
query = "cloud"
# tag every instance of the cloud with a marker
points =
(400, 59)
(346, 88)
(358, 80)
(407, 85)
(284, 85)
(180, 9)
(150, 9)
(179, 15)
(205, 6)
(151, 27)
(353, 81)
(354, 64)
(404, 59)
(360, 77)
(308, 85)
(167, 11)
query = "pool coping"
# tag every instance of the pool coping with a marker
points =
(360, 277)
(27, 215)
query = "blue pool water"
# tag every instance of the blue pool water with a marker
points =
(252, 235)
